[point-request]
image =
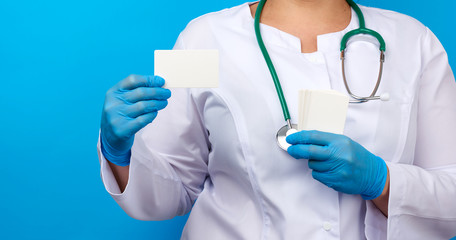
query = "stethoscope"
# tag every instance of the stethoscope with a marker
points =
(290, 128)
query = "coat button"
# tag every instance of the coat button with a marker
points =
(327, 226)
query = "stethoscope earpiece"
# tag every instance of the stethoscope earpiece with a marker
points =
(385, 97)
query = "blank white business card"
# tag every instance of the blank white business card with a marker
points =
(188, 68)
(322, 110)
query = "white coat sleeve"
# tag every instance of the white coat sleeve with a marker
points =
(422, 202)
(168, 164)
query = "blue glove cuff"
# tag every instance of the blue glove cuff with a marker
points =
(116, 157)
(376, 189)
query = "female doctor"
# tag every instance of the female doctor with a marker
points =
(391, 175)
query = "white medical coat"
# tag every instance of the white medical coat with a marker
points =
(218, 146)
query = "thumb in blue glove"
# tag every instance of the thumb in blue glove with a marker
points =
(340, 163)
(129, 106)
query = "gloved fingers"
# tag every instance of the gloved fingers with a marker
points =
(312, 137)
(308, 151)
(140, 122)
(135, 81)
(324, 177)
(143, 107)
(118, 131)
(321, 166)
(146, 93)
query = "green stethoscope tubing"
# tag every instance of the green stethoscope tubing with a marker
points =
(268, 60)
(361, 30)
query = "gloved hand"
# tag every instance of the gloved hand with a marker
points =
(340, 163)
(129, 106)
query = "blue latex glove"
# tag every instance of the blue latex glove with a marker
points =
(340, 163)
(129, 106)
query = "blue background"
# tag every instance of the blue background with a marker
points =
(57, 59)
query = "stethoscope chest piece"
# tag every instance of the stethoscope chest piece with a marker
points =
(282, 135)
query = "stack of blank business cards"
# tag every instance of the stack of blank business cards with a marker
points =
(188, 68)
(322, 110)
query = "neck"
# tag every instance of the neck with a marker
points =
(306, 19)
(307, 12)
